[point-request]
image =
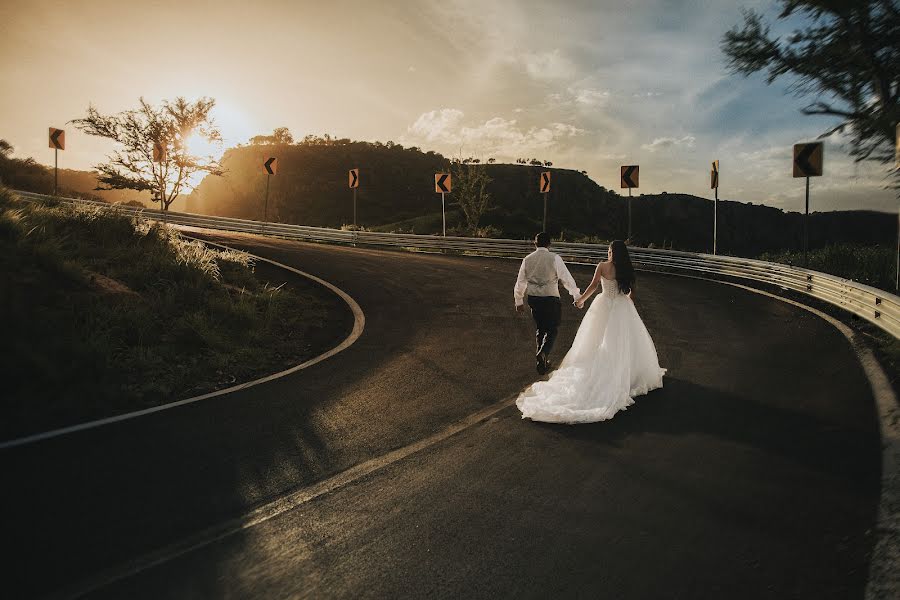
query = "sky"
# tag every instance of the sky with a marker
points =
(589, 85)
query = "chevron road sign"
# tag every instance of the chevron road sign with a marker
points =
(270, 167)
(808, 159)
(545, 182)
(630, 174)
(354, 178)
(57, 138)
(57, 142)
(443, 183)
(714, 184)
(807, 163)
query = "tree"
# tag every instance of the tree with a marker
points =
(470, 181)
(138, 131)
(847, 58)
(281, 135)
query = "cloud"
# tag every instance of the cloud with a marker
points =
(496, 136)
(549, 65)
(664, 143)
(590, 97)
(436, 124)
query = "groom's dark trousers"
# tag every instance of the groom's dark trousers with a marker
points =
(547, 314)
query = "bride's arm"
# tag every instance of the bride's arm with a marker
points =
(595, 282)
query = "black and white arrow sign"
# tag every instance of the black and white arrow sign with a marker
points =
(545, 182)
(57, 139)
(630, 174)
(808, 160)
(354, 178)
(442, 183)
(271, 165)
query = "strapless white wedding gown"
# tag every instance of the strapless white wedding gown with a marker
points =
(611, 361)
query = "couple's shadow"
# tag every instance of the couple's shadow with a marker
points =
(683, 408)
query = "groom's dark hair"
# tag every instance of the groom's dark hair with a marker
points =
(542, 239)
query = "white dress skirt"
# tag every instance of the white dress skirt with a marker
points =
(611, 361)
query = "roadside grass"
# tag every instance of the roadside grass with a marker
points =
(871, 265)
(103, 314)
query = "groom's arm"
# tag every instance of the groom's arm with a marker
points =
(521, 287)
(562, 273)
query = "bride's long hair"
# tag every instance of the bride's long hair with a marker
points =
(624, 269)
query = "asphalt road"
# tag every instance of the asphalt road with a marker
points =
(753, 473)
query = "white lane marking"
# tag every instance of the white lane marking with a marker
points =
(279, 506)
(359, 323)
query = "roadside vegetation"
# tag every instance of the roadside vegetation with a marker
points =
(105, 314)
(872, 265)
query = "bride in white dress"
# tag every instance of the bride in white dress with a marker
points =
(611, 361)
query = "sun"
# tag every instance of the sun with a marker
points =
(198, 145)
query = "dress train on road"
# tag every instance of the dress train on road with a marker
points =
(611, 361)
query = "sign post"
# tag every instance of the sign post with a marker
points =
(714, 184)
(443, 183)
(630, 179)
(270, 167)
(57, 142)
(354, 184)
(545, 190)
(897, 166)
(807, 163)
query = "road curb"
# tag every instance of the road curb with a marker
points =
(359, 323)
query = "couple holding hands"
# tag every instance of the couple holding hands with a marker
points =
(612, 358)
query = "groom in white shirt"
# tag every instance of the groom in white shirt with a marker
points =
(539, 277)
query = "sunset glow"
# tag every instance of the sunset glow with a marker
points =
(599, 87)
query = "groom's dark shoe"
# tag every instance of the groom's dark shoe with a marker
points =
(540, 360)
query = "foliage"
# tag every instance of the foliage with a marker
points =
(847, 58)
(281, 135)
(872, 265)
(109, 314)
(534, 162)
(169, 127)
(470, 182)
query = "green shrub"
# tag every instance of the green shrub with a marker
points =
(871, 265)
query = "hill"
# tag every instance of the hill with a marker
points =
(28, 175)
(396, 194)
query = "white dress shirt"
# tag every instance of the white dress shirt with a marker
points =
(540, 274)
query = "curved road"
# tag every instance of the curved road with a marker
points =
(753, 473)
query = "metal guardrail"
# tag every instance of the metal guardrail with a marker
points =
(872, 304)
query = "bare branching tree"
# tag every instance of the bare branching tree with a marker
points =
(470, 181)
(138, 131)
(847, 59)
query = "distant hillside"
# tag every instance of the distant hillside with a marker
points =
(85, 182)
(396, 193)
(28, 175)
